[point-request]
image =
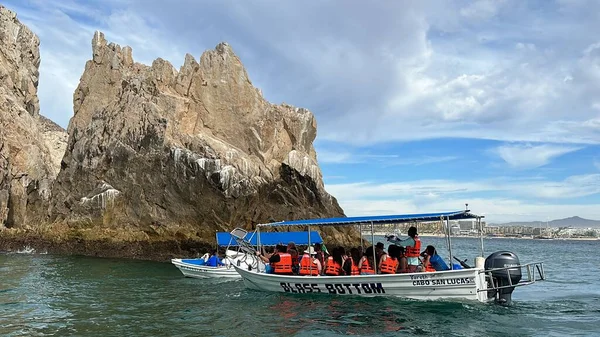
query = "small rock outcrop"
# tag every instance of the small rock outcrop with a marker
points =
(156, 153)
(30, 150)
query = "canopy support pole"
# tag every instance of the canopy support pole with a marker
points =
(362, 247)
(258, 239)
(449, 242)
(373, 245)
(480, 225)
(309, 257)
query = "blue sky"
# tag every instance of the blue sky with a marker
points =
(421, 106)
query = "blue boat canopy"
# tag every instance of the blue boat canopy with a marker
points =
(271, 239)
(379, 219)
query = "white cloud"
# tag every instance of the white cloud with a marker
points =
(325, 156)
(434, 195)
(495, 210)
(409, 71)
(531, 156)
(482, 9)
(341, 157)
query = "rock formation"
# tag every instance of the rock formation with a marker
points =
(30, 149)
(157, 154)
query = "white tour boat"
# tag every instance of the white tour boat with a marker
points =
(493, 278)
(244, 257)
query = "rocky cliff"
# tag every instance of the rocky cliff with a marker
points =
(30, 148)
(157, 154)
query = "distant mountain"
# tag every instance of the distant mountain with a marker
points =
(573, 221)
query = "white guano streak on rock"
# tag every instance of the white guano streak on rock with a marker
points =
(235, 174)
(102, 199)
(302, 163)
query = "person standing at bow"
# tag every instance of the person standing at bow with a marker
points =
(412, 247)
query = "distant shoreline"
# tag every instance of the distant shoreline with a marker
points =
(500, 237)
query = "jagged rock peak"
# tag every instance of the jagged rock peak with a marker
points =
(199, 147)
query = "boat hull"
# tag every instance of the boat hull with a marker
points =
(228, 271)
(199, 271)
(462, 284)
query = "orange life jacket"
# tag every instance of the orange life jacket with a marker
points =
(284, 266)
(354, 268)
(414, 251)
(389, 266)
(366, 267)
(333, 268)
(429, 267)
(308, 266)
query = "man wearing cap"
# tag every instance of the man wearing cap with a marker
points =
(412, 248)
(309, 264)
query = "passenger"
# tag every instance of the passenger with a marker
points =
(295, 260)
(366, 263)
(334, 264)
(432, 261)
(309, 264)
(351, 264)
(343, 254)
(291, 248)
(280, 261)
(413, 248)
(320, 254)
(389, 262)
(213, 260)
(379, 250)
(402, 261)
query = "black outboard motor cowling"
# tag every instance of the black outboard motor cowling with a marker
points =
(505, 277)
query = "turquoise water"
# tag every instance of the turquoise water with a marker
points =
(45, 295)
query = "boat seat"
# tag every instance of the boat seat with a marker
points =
(240, 237)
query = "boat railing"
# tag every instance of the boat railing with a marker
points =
(534, 272)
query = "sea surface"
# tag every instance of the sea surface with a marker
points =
(46, 295)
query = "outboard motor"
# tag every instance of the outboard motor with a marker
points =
(503, 278)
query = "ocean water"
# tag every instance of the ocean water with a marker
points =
(46, 295)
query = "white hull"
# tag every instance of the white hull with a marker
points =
(227, 271)
(198, 271)
(454, 284)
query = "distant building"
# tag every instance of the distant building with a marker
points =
(467, 225)
(455, 230)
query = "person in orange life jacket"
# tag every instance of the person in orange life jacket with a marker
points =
(293, 251)
(309, 264)
(412, 248)
(334, 263)
(351, 264)
(213, 260)
(320, 254)
(432, 261)
(366, 263)
(277, 264)
(388, 264)
(295, 260)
